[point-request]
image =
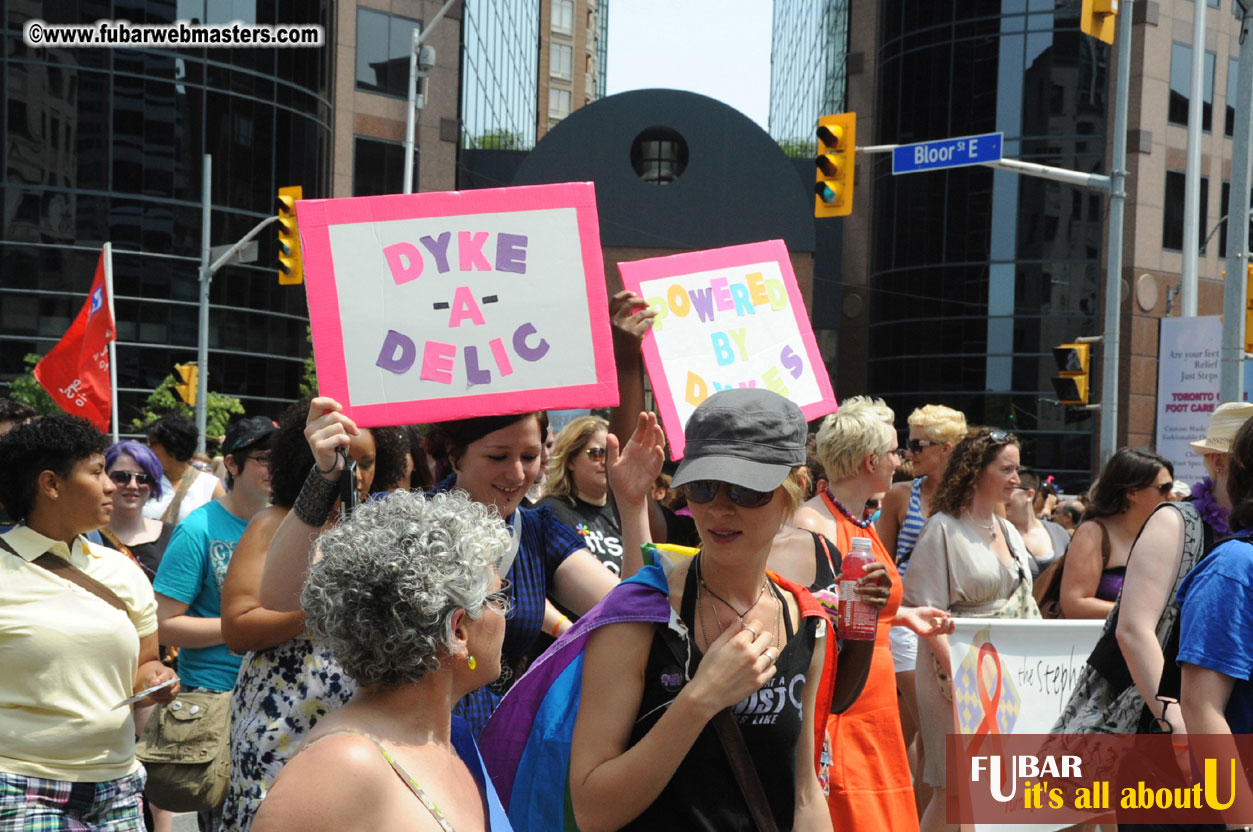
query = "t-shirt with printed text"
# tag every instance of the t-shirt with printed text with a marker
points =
(597, 525)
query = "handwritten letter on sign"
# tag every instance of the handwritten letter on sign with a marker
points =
(729, 317)
(450, 305)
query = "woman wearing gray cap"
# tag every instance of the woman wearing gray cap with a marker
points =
(656, 709)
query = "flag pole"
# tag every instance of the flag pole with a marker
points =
(108, 290)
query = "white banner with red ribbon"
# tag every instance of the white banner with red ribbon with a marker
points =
(1014, 676)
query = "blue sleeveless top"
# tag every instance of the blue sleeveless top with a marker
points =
(914, 521)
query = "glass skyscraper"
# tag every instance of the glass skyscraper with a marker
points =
(975, 274)
(106, 145)
(970, 275)
(499, 74)
(807, 69)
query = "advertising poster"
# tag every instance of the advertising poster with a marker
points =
(1187, 389)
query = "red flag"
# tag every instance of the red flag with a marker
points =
(76, 372)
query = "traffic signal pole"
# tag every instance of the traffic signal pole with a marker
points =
(202, 339)
(1230, 379)
(207, 270)
(1111, 345)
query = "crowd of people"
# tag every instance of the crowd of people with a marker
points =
(372, 619)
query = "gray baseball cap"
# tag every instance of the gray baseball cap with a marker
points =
(744, 436)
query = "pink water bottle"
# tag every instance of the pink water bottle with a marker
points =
(858, 619)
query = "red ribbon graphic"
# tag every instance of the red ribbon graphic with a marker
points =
(989, 703)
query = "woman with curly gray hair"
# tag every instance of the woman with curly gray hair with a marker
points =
(406, 595)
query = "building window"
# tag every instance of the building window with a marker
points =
(1180, 85)
(560, 61)
(659, 155)
(378, 167)
(558, 103)
(563, 16)
(1172, 215)
(384, 42)
(1233, 71)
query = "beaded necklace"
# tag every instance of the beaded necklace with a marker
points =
(861, 524)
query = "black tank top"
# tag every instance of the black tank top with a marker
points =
(702, 794)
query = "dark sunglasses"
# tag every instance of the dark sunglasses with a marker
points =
(596, 453)
(916, 446)
(123, 477)
(1000, 436)
(1164, 489)
(703, 491)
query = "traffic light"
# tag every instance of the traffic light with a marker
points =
(1072, 364)
(1248, 310)
(1097, 18)
(837, 144)
(190, 374)
(290, 268)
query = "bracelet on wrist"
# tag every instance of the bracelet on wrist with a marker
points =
(557, 627)
(316, 500)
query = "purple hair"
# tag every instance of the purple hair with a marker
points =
(144, 458)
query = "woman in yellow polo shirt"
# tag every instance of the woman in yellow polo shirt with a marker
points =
(78, 637)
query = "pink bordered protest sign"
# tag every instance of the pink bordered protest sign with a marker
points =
(727, 317)
(435, 306)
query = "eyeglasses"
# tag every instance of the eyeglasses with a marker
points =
(500, 599)
(124, 477)
(703, 491)
(596, 453)
(916, 446)
(899, 453)
(261, 459)
(1000, 436)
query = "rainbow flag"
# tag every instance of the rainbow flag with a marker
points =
(526, 743)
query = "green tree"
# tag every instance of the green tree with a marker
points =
(799, 148)
(26, 389)
(309, 384)
(498, 140)
(163, 401)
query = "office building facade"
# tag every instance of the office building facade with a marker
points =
(571, 52)
(106, 145)
(954, 285)
(499, 74)
(372, 45)
(808, 70)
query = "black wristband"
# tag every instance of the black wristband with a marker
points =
(316, 500)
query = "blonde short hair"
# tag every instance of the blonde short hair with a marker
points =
(796, 487)
(861, 426)
(942, 424)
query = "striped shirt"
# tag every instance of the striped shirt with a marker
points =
(914, 521)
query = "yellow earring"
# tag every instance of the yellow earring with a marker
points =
(470, 662)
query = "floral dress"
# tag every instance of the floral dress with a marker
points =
(280, 695)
